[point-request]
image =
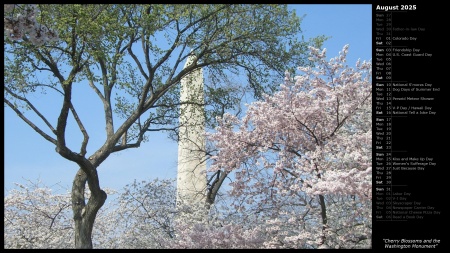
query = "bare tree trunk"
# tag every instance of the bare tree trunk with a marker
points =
(324, 217)
(214, 186)
(85, 214)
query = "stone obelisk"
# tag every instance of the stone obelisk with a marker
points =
(191, 176)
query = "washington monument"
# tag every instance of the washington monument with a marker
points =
(191, 176)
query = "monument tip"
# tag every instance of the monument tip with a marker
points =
(190, 59)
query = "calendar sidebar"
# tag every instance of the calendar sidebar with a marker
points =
(407, 122)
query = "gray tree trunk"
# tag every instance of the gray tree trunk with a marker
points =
(84, 214)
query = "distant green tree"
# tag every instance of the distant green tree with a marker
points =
(131, 56)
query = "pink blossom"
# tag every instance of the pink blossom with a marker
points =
(20, 20)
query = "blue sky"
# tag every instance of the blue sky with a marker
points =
(28, 156)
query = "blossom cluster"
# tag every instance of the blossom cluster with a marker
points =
(20, 20)
(312, 128)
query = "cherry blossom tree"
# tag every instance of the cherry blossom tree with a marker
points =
(303, 156)
(36, 217)
(143, 214)
(19, 22)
